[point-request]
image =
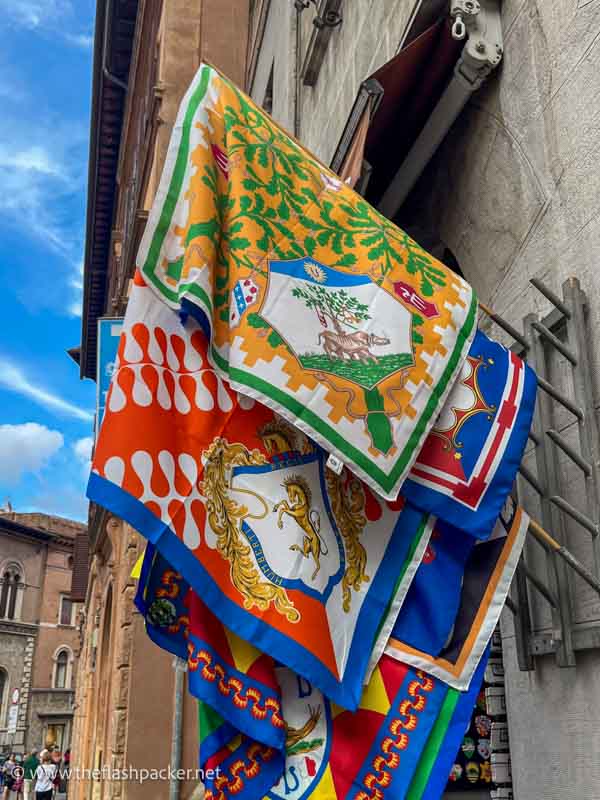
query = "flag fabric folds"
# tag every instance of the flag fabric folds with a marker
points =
(313, 303)
(440, 751)
(264, 730)
(487, 577)
(241, 504)
(468, 463)
(318, 447)
(428, 614)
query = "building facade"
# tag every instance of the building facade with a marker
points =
(508, 196)
(132, 709)
(38, 633)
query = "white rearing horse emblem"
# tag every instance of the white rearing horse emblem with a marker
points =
(308, 519)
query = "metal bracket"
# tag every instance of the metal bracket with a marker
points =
(463, 12)
(327, 19)
(563, 332)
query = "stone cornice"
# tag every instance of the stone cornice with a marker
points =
(18, 628)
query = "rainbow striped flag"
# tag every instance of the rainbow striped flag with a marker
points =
(267, 731)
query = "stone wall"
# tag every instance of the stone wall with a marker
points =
(513, 194)
(31, 555)
(16, 652)
(368, 37)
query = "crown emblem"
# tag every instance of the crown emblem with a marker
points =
(465, 401)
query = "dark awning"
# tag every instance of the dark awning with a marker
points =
(410, 86)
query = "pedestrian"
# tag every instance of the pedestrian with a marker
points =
(30, 765)
(9, 775)
(44, 777)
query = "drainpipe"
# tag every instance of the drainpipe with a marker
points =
(179, 667)
(105, 71)
(482, 53)
(298, 71)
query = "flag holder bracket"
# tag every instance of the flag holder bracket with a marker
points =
(555, 595)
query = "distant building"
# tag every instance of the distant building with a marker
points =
(145, 57)
(38, 633)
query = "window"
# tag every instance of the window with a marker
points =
(268, 101)
(4, 593)
(67, 611)
(61, 670)
(11, 592)
(3, 695)
(12, 598)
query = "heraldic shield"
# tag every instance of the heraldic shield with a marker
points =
(308, 551)
(337, 323)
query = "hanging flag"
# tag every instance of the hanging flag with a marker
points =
(242, 506)
(467, 466)
(428, 614)
(266, 730)
(487, 577)
(161, 598)
(324, 335)
(334, 754)
(400, 744)
(431, 776)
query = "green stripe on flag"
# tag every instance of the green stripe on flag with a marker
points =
(208, 720)
(432, 748)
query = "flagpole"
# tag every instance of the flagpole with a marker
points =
(550, 543)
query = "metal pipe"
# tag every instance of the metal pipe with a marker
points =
(551, 544)
(555, 342)
(506, 326)
(570, 451)
(549, 295)
(575, 514)
(559, 397)
(105, 71)
(531, 480)
(542, 589)
(179, 667)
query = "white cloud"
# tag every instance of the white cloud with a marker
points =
(26, 448)
(36, 180)
(45, 16)
(31, 159)
(76, 284)
(34, 14)
(13, 379)
(81, 40)
(82, 449)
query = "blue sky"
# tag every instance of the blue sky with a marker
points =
(46, 412)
